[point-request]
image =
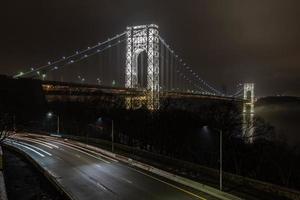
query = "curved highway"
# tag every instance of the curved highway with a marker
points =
(85, 174)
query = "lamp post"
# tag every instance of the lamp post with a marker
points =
(50, 115)
(14, 123)
(221, 157)
(112, 135)
(101, 121)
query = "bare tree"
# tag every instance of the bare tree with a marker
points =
(4, 127)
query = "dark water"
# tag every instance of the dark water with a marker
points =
(283, 113)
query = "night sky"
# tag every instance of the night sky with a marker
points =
(226, 41)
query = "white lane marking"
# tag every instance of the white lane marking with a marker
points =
(52, 145)
(174, 186)
(49, 154)
(37, 142)
(77, 155)
(82, 152)
(78, 148)
(126, 180)
(73, 145)
(101, 186)
(29, 149)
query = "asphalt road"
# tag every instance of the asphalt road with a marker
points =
(89, 175)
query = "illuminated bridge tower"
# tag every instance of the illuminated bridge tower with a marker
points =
(248, 112)
(140, 39)
(249, 97)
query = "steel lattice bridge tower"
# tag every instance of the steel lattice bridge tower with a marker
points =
(140, 39)
(118, 63)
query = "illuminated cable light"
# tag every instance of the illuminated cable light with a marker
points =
(171, 50)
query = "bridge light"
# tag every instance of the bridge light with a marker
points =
(63, 57)
(76, 52)
(31, 68)
(49, 63)
(38, 72)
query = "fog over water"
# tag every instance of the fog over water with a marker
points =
(284, 116)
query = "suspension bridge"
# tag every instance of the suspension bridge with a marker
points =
(137, 62)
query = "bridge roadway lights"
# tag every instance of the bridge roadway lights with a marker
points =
(137, 102)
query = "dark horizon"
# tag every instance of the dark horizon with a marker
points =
(226, 43)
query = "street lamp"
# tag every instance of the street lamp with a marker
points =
(100, 120)
(50, 115)
(221, 155)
